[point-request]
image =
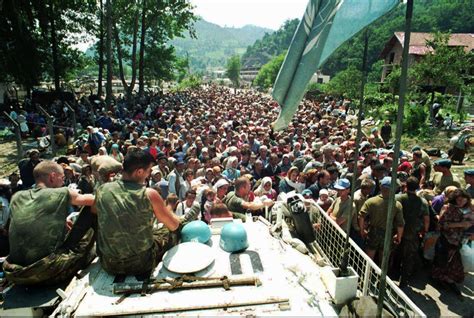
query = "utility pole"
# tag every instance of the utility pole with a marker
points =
(393, 186)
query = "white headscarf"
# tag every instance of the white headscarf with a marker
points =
(230, 161)
(261, 188)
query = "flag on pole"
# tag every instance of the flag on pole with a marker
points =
(326, 24)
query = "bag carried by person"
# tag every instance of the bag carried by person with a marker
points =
(467, 256)
(429, 244)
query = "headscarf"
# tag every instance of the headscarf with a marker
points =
(261, 188)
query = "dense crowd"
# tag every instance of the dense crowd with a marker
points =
(215, 154)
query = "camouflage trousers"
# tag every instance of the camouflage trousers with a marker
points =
(145, 262)
(54, 268)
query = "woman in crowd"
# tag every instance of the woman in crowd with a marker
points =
(290, 182)
(231, 172)
(447, 267)
(265, 189)
(115, 153)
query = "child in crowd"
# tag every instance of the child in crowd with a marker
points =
(324, 201)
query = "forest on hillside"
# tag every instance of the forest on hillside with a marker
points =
(455, 16)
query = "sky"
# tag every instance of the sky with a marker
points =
(237, 13)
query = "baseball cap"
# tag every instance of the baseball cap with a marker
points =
(342, 184)
(386, 182)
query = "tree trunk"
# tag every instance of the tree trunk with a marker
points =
(128, 88)
(119, 56)
(134, 58)
(108, 44)
(141, 83)
(101, 51)
(54, 48)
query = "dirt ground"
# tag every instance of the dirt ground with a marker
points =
(8, 155)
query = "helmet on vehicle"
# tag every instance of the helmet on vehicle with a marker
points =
(233, 238)
(195, 231)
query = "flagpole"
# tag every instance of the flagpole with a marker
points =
(391, 200)
(345, 254)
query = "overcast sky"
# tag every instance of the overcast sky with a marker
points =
(237, 13)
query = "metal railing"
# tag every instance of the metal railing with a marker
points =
(330, 239)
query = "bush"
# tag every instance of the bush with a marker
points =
(192, 81)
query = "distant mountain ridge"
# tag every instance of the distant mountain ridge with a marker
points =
(214, 44)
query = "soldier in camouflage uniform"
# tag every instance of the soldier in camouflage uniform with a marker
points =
(41, 249)
(126, 241)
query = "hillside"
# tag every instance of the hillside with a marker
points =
(428, 16)
(215, 44)
(270, 45)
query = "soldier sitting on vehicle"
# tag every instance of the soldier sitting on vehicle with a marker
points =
(126, 241)
(41, 249)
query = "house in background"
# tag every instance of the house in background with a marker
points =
(320, 78)
(392, 52)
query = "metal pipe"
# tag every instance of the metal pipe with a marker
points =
(345, 255)
(19, 145)
(393, 185)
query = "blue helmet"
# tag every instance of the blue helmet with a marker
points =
(195, 231)
(233, 238)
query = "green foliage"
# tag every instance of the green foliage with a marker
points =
(29, 32)
(160, 63)
(181, 68)
(213, 44)
(374, 74)
(268, 73)
(190, 82)
(444, 67)
(233, 70)
(445, 16)
(392, 81)
(271, 45)
(428, 15)
(346, 83)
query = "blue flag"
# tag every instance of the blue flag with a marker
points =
(325, 26)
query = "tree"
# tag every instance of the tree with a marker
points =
(346, 83)
(268, 73)
(129, 23)
(62, 23)
(161, 22)
(233, 70)
(445, 66)
(37, 38)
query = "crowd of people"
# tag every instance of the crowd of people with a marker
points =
(208, 153)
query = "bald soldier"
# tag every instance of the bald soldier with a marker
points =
(39, 250)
